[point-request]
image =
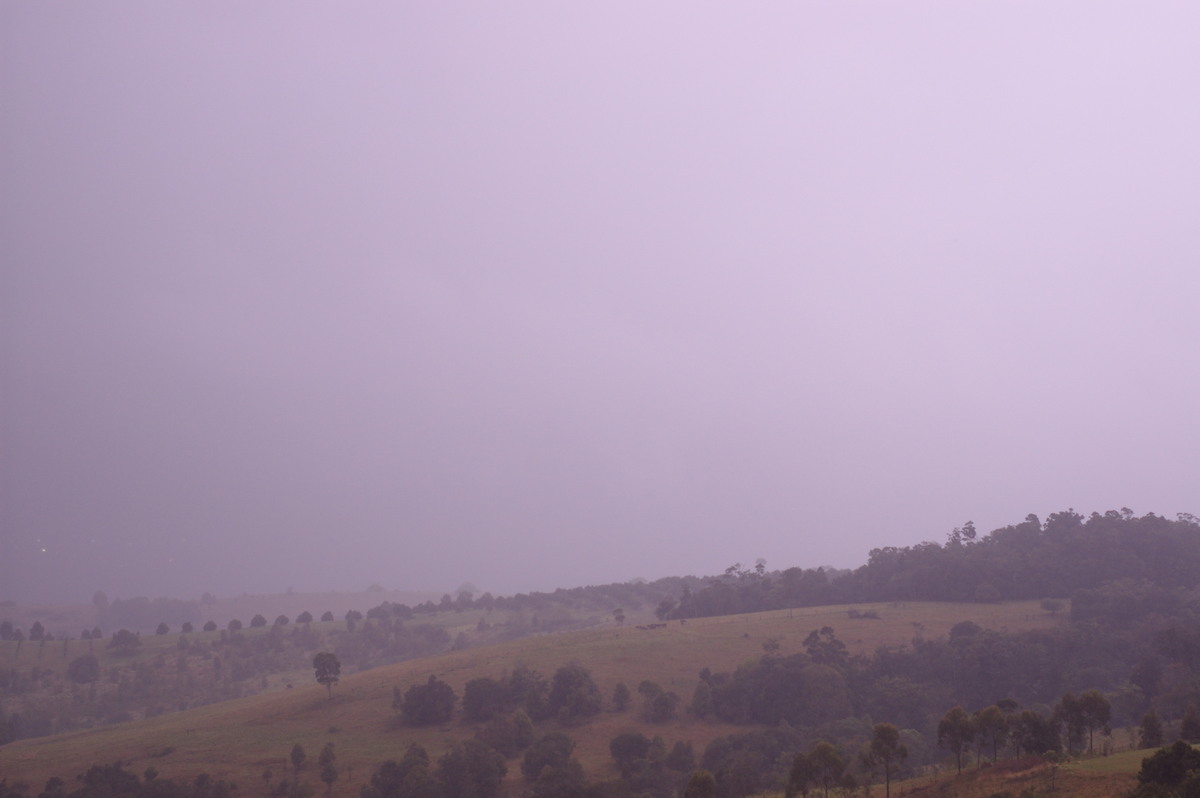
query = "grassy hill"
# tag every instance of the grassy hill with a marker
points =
(241, 739)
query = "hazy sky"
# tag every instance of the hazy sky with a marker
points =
(545, 294)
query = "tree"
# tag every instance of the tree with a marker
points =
(258, 621)
(627, 749)
(553, 750)
(429, 703)
(162, 628)
(211, 626)
(408, 778)
(573, 693)
(659, 705)
(991, 727)
(483, 699)
(1095, 711)
(887, 751)
(1069, 715)
(328, 769)
(282, 620)
(621, 696)
(1189, 727)
(124, 642)
(234, 625)
(1034, 734)
(327, 615)
(187, 627)
(298, 757)
(327, 669)
(471, 769)
(1171, 767)
(822, 766)
(304, 617)
(701, 784)
(956, 732)
(84, 669)
(1150, 731)
(37, 631)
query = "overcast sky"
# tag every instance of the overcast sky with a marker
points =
(317, 295)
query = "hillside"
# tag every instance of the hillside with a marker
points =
(241, 739)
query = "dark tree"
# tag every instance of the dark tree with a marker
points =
(234, 625)
(408, 778)
(298, 757)
(37, 631)
(484, 699)
(621, 697)
(701, 784)
(1095, 711)
(471, 769)
(1069, 715)
(991, 727)
(124, 642)
(886, 751)
(956, 732)
(211, 626)
(84, 669)
(823, 767)
(573, 694)
(257, 621)
(162, 628)
(327, 669)
(553, 750)
(327, 616)
(1189, 727)
(1170, 767)
(627, 750)
(429, 703)
(660, 705)
(304, 617)
(327, 760)
(282, 620)
(1150, 731)
(1034, 734)
(187, 627)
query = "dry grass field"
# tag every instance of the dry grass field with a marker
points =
(241, 739)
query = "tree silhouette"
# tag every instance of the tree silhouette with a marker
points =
(888, 752)
(328, 668)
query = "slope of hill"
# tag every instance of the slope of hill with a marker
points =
(242, 739)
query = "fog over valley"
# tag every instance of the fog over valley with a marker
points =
(528, 296)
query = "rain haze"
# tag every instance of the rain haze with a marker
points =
(539, 295)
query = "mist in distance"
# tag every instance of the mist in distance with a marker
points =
(547, 295)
